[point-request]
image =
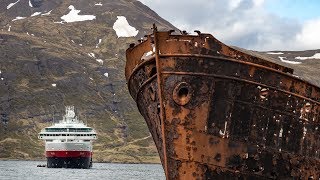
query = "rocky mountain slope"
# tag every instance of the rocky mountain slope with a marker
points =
(72, 52)
(306, 64)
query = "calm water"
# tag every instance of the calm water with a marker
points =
(28, 170)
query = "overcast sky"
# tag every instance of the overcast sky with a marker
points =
(253, 24)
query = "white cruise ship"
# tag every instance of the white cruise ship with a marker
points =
(68, 144)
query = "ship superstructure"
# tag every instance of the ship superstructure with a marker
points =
(68, 144)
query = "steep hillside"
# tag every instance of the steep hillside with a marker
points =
(306, 64)
(71, 52)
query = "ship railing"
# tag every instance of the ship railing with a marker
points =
(68, 135)
(69, 130)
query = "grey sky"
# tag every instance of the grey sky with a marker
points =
(243, 23)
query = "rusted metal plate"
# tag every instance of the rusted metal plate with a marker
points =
(215, 112)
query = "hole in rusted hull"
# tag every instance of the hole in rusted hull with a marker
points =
(182, 93)
(153, 71)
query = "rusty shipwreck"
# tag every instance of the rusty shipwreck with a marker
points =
(215, 112)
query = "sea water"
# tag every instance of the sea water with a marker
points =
(28, 170)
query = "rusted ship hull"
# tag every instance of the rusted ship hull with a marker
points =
(217, 113)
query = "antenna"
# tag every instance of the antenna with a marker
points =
(53, 113)
(86, 119)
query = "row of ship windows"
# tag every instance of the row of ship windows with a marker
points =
(69, 140)
(67, 135)
(68, 129)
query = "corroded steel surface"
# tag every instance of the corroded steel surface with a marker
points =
(218, 113)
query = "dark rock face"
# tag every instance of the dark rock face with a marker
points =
(36, 3)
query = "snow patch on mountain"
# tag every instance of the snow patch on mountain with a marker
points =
(123, 29)
(275, 53)
(286, 61)
(12, 4)
(30, 4)
(18, 18)
(100, 61)
(315, 56)
(36, 14)
(46, 14)
(92, 55)
(73, 16)
(59, 22)
(98, 43)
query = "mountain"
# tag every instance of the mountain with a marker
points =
(306, 64)
(72, 52)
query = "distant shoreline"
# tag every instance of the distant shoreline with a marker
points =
(109, 162)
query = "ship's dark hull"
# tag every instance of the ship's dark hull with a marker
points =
(69, 159)
(69, 162)
(213, 116)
